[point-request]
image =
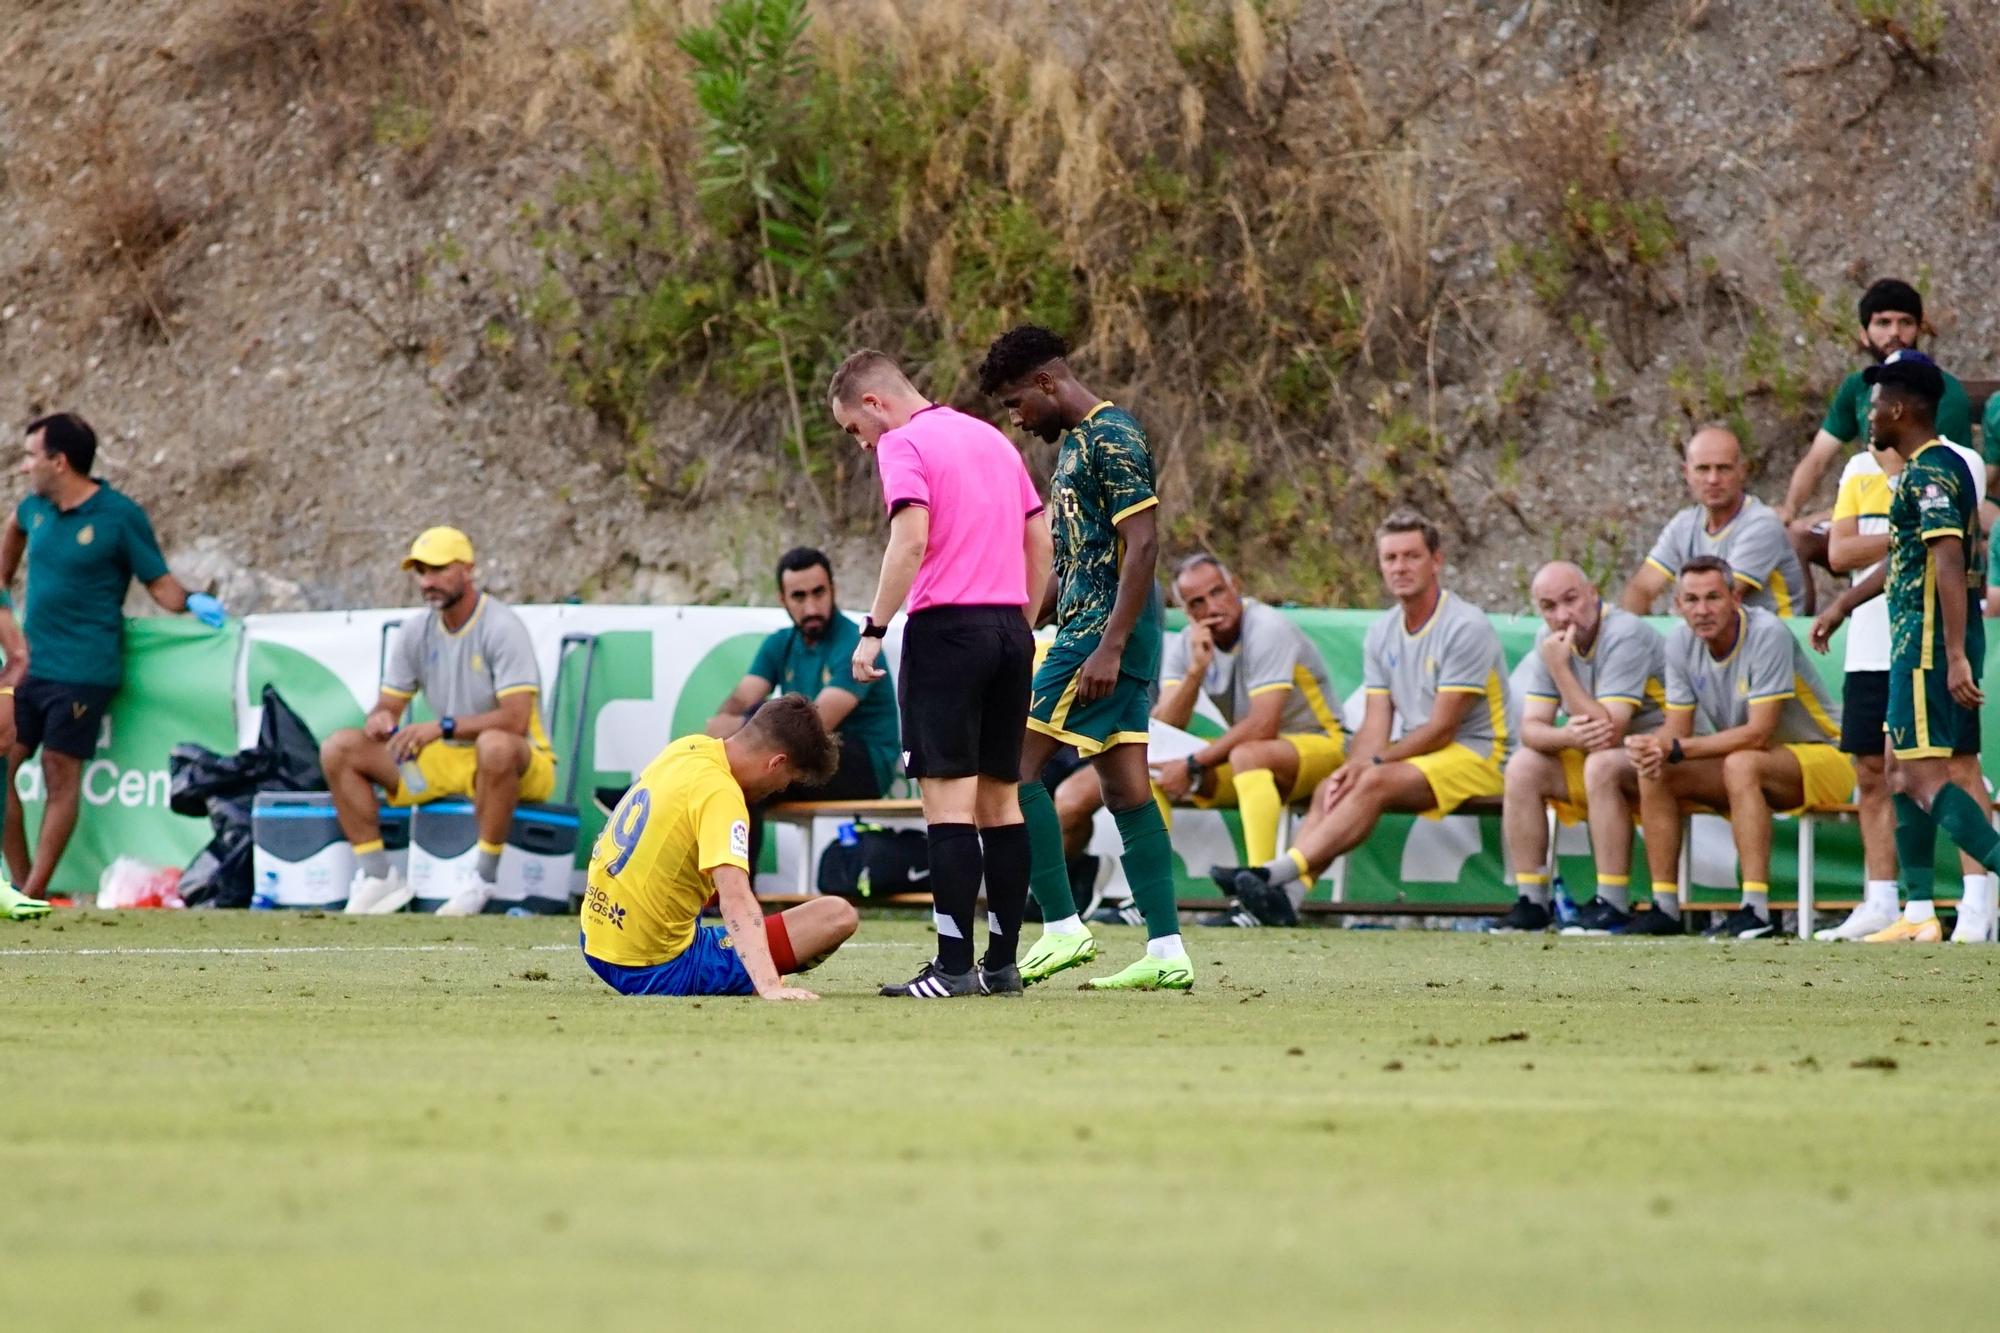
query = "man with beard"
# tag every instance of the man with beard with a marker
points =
(1892, 319)
(813, 658)
(472, 658)
(84, 542)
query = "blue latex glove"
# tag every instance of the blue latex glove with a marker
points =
(206, 609)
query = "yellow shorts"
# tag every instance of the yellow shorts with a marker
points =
(449, 769)
(1457, 774)
(1575, 807)
(1319, 755)
(1828, 776)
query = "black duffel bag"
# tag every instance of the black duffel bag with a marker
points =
(874, 863)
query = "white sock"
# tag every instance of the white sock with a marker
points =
(1979, 895)
(1167, 946)
(1879, 896)
(1919, 909)
(1069, 925)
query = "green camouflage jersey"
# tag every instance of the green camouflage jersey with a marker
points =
(1104, 473)
(1935, 500)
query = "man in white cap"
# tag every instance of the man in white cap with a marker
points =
(471, 657)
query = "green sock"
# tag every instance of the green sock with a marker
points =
(1048, 872)
(1916, 846)
(1965, 824)
(1149, 867)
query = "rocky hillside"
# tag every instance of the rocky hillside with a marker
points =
(324, 272)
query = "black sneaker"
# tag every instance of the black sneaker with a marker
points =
(1599, 916)
(1225, 877)
(1741, 924)
(1652, 921)
(933, 983)
(1232, 916)
(1000, 980)
(1270, 903)
(1124, 913)
(1527, 917)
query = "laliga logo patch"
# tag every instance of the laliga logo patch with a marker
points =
(739, 838)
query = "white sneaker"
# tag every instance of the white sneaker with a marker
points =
(369, 895)
(1974, 927)
(470, 900)
(1863, 921)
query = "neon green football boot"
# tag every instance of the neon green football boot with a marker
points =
(1057, 953)
(1149, 973)
(18, 906)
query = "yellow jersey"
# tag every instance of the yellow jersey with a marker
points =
(649, 872)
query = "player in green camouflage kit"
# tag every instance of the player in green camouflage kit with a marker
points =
(1937, 640)
(1092, 690)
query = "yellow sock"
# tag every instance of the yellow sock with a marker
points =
(1258, 802)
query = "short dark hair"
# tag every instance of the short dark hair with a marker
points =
(1409, 520)
(1016, 354)
(1891, 294)
(70, 435)
(789, 725)
(1708, 564)
(801, 558)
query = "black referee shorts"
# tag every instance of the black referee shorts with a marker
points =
(963, 687)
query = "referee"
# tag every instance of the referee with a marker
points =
(967, 540)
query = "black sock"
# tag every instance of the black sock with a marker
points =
(1006, 891)
(955, 873)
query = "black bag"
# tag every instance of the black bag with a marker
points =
(880, 862)
(224, 787)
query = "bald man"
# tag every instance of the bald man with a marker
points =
(1724, 522)
(1601, 670)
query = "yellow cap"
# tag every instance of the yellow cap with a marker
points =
(438, 547)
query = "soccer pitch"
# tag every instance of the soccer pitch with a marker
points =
(265, 1121)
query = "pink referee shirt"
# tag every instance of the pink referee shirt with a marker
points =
(974, 483)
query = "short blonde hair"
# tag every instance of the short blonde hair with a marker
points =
(863, 371)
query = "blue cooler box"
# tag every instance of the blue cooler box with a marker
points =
(300, 858)
(536, 866)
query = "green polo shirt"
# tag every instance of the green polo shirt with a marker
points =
(797, 666)
(80, 562)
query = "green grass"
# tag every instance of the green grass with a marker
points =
(1337, 1129)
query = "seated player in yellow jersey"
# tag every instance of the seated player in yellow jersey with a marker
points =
(681, 834)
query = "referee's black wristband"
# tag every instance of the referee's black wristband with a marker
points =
(871, 630)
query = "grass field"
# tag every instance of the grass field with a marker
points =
(266, 1121)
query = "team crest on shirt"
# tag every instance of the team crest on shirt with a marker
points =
(478, 662)
(85, 535)
(739, 839)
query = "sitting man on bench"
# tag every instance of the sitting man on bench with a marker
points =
(1432, 664)
(472, 658)
(682, 834)
(1749, 729)
(1602, 667)
(812, 658)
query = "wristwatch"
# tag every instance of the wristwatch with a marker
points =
(449, 726)
(1674, 755)
(871, 630)
(1195, 770)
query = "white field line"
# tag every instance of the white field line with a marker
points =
(344, 948)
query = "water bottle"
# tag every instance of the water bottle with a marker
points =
(413, 777)
(266, 896)
(1561, 904)
(848, 835)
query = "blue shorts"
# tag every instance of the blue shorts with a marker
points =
(708, 966)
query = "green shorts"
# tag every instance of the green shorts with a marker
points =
(1119, 718)
(1924, 721)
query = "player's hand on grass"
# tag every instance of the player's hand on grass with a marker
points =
(1592, 733)
(1964, 689)
(1099, 674)
(863, 664)
(787, 993)
(380, 726)
(405, 743)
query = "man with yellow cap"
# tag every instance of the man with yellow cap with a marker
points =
(473, 660)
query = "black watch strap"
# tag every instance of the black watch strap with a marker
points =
(1674, 752)
(449, 726)
(871, 630)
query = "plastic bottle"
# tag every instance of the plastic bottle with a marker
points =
(1562, 906)
(413, 777)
